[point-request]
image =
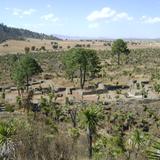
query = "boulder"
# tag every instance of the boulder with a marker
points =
(101, 86)
(68, 91)
(80, 92)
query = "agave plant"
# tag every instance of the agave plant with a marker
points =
(7, 130)
(154, 152)
(136, 142)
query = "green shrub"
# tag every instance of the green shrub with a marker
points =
(55, 46)
(118, 91)
(43, 48)
(144, 93)
(33, 48)
(78, 46)
(117, 97)
(9, 108)
(27, 49)
(157, 87)
(88, 45)
(138, 86)
(3, 95)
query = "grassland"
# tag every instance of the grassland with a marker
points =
(17, 46)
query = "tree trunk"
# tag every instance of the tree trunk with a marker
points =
(73, 114)
(19, 94)
(89, 134)
(126, 59)
(27, 81)
(22, 93)
(72, 78)
(84, 77)
(81, 78)
(118, 59)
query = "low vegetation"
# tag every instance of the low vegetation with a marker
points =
(80, 104)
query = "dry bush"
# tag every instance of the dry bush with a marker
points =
(37, 143)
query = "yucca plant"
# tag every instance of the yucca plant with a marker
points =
(7, 130)
(91, 117)
(136, 142)
(154, 152)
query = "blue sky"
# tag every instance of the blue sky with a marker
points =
(87, 18)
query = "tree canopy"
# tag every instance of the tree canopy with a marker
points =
(81, 62)
(119, 47)
(24, 69)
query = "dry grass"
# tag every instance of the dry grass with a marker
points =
(15, 46)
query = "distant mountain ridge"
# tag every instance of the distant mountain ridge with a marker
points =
(64, 37)
(7, 33)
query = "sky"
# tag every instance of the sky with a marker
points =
(85, 18)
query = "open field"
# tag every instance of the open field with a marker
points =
(18, 46)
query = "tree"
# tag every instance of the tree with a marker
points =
(45, 106)
(70, 65)
(26, 49)
(91, 118)
(33, 48)
(119, 47)
(73, 114)
(81, 62)
(18, 76)
(127, 55)
(27, 101)
(55, 46)
(43, 48)
(23, 70)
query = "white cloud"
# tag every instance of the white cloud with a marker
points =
(105, 13)
(21, 13)
(108, 14)
(7, 8)
(29, 12)
(150, 20)
(93, 25)
(49, 6)
(50, 17)
(123, 15)
(17, 12)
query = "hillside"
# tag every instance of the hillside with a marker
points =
(7, 33)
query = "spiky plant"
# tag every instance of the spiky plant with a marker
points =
(7, 130)
(154, 152)
(91, 117)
